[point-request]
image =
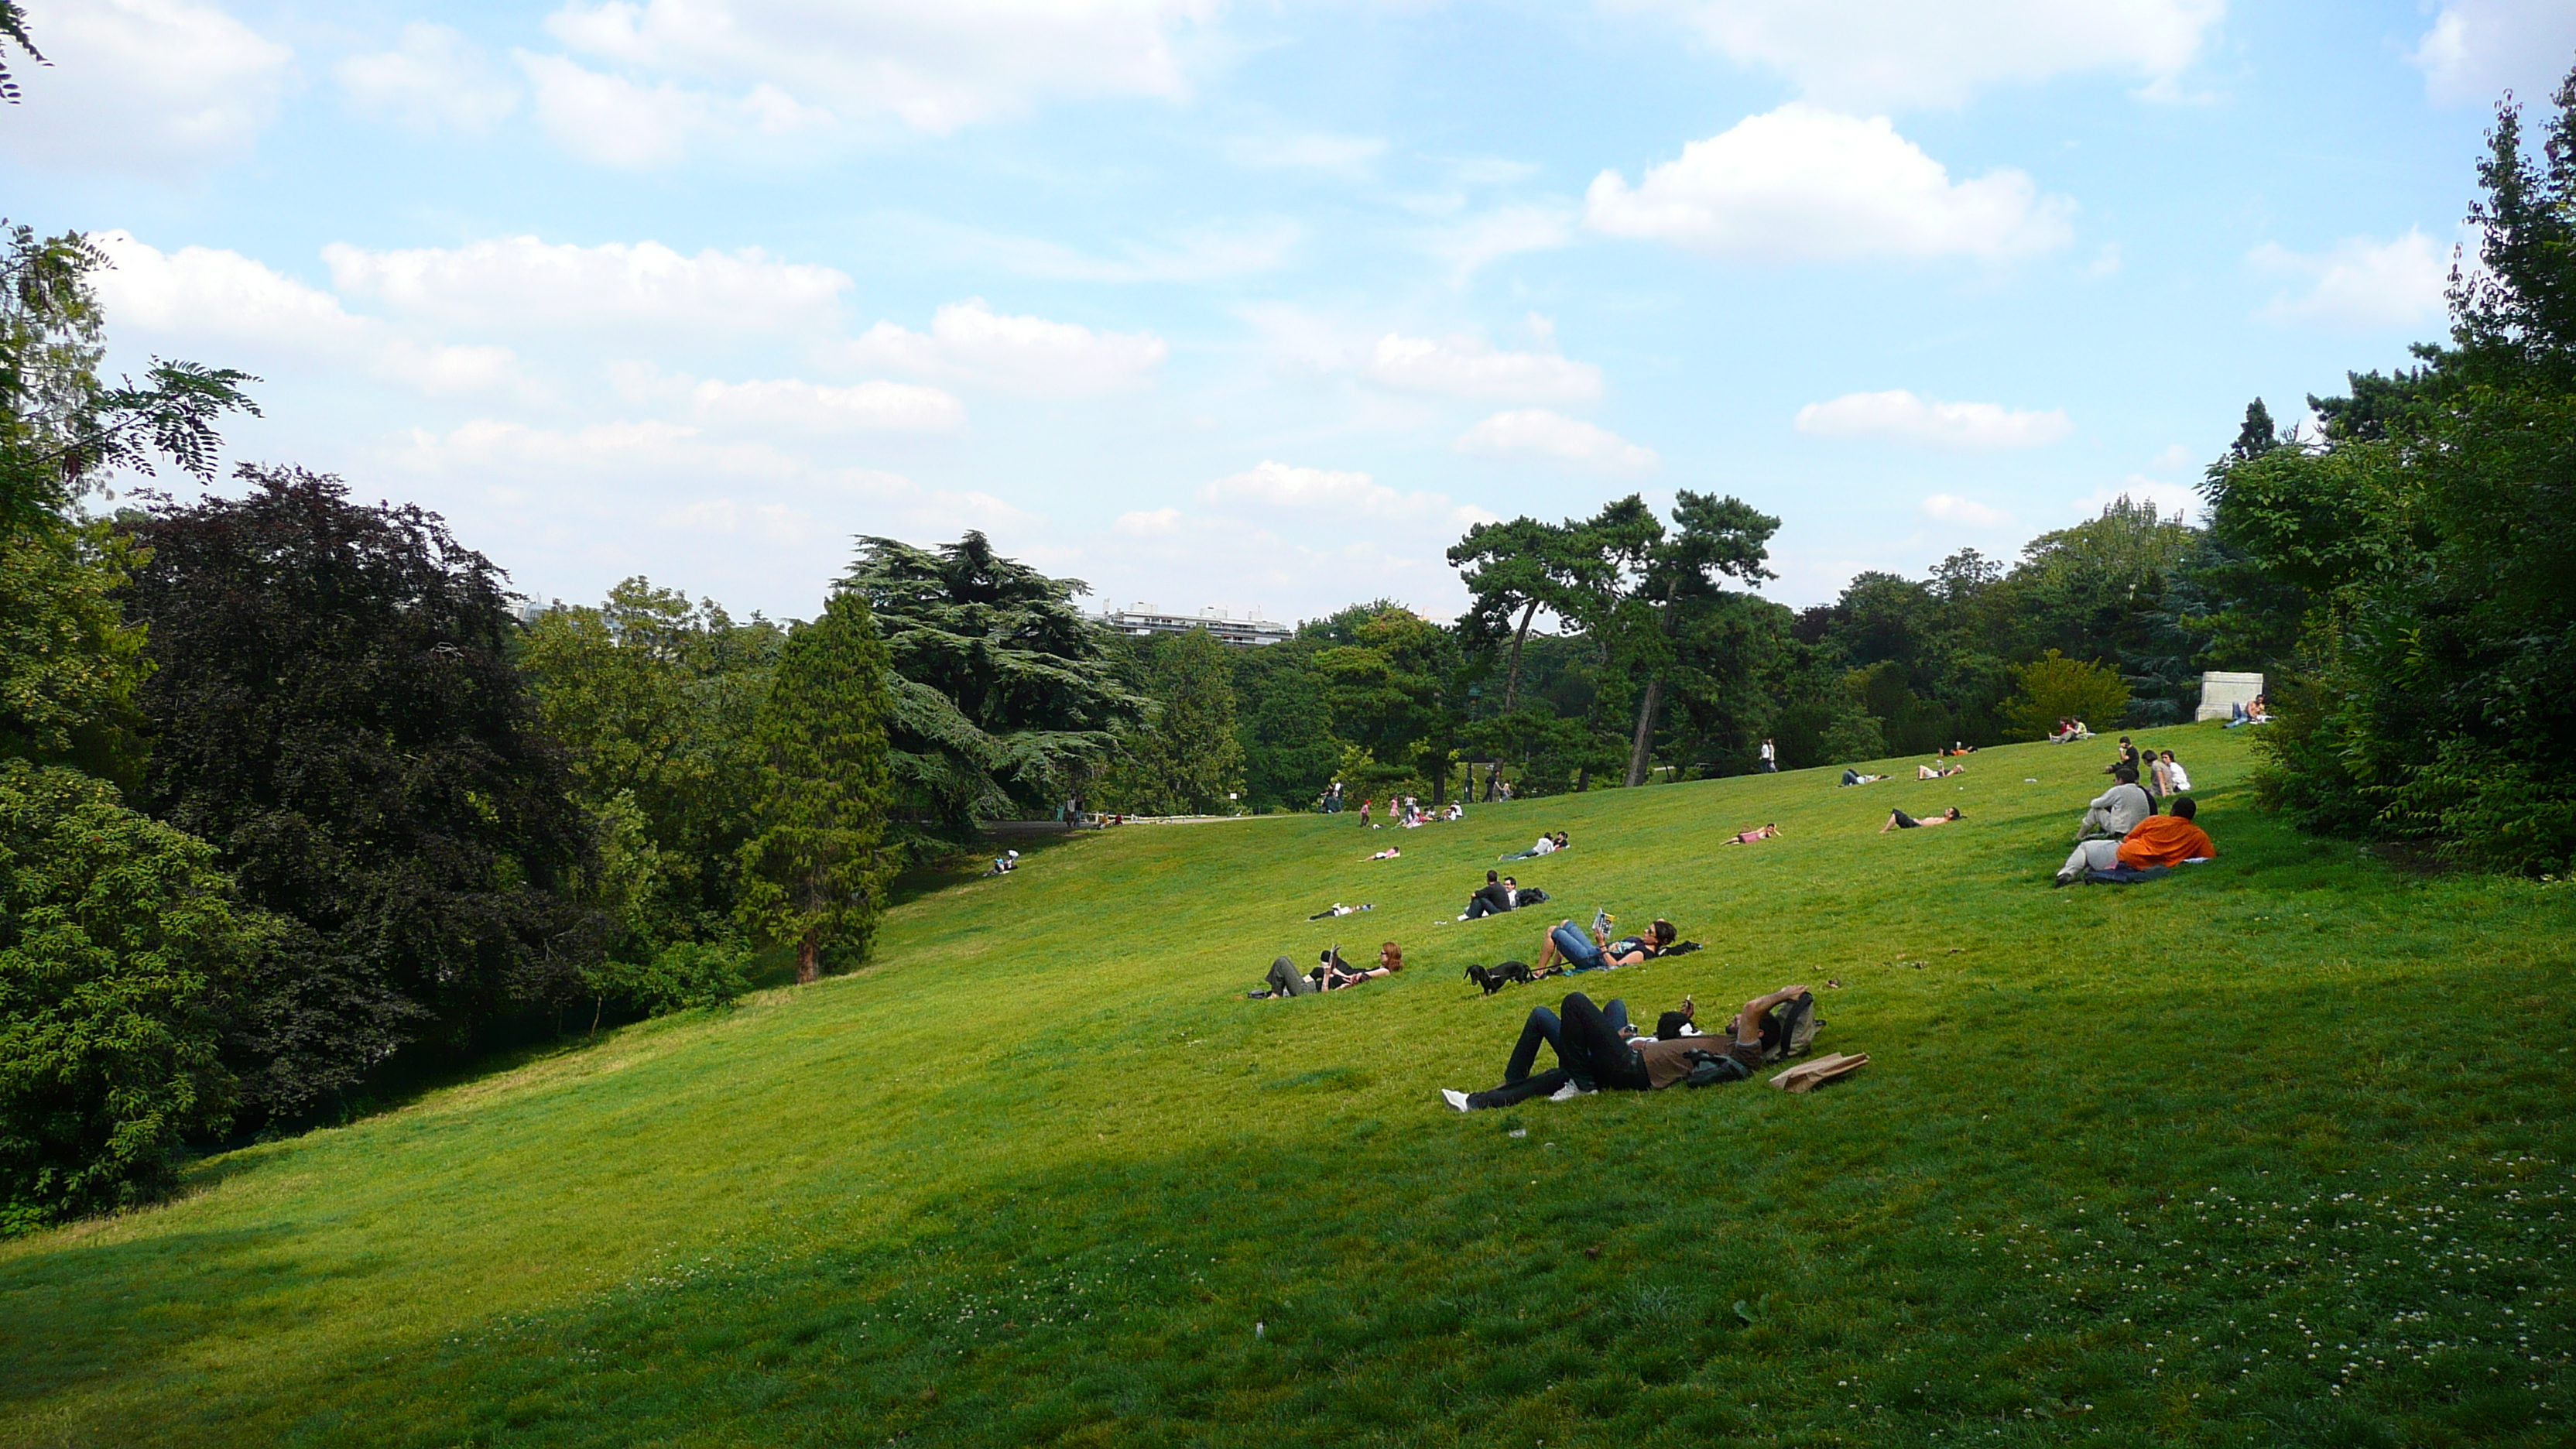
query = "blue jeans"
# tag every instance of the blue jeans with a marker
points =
(1577, 948)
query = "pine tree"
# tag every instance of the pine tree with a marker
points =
(814, 874)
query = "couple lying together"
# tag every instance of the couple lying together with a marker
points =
(1597, 1050)
(1332, 974)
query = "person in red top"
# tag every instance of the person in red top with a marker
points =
(2157, 840)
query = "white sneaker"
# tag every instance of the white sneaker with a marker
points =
(1569, 1092)
(1454, 1098)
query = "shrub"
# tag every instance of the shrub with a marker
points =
(680, 976)
(2054, 687)
(116, 944)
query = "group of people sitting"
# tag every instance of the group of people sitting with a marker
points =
(2123, 838)
(1332, 973)
(2069, 730)
(1545, 845)
(1004, 863)
(1407, 812)
(1499, 893)
(1598, 1050)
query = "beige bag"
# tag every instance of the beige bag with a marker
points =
(1808, 1075)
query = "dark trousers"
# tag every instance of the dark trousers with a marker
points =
(1288, 981)
(1589, 1050)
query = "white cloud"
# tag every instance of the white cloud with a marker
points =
(2175, 455)
(2360, 285)
(1469, 367)
(1508, 231)
(934, 64)
(1032, 354)
(162, 87)
(522, 282)
(237, 311)
(435, 78)
(1199, 254)
(1149, 523)
(1280, 486)
(1951, 508)
(1315, 151)
(1902, 417)
(672, 463)
(807, 407)
(1805, 184)
(1870, 53)
(2478, 49)
(1539, 433)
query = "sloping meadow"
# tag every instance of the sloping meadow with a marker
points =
(2274, 1151)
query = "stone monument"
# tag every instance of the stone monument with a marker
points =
(2219, 690)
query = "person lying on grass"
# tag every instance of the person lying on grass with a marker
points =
(1546, 845)
(1570, 948)
(1938, 772)
(1333, 974)
(1855, 777)
(1899, 820)
(1596, 1051)
(2159, 840)
(1390, 853)
(2116, 811)
(1747, 837)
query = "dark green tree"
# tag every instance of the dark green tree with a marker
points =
(814, 873)
(1005, 699)
(335, 710)
(1186, 758)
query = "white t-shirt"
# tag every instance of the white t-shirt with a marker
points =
(2174, 772)
(1545, 845)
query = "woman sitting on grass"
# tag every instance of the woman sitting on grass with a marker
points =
(1747, 837)
(1899, 820)
(1568, 948)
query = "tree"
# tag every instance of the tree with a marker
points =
(1289, 753)
(814, 873)
(117, 946)
(13, 26)
(1384, 680)
(1515, 568)
(336, 712)
(1186, 759)
(653, 700)
(62, 428)
(70, 664)
(1669, 574)
(1004, 696)
(2054, 687)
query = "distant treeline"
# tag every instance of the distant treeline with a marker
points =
(291, 796)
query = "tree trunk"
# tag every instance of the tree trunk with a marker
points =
(1644, 744)
(1582, 779)
(1512, 681)
(808, 961)
(1440, 783)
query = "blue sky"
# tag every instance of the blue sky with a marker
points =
(1258, 305)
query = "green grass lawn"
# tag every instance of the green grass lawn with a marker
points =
(2276, 1151)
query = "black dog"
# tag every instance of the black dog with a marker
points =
(1500, 976)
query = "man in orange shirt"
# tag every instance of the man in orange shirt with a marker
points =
(2157, 840)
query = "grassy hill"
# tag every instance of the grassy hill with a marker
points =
(2272, 1152)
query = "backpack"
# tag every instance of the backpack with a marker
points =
(1711, 1069)
(1789, 1029)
